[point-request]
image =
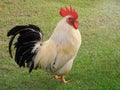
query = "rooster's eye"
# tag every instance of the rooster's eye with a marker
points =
(70, 19)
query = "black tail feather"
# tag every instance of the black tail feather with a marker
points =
(17, 28)
(10, 44)
(29, 36)
(31, 67)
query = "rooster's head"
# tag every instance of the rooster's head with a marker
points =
(73, 16)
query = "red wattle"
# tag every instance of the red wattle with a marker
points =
(76, 25)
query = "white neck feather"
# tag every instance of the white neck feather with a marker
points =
(62, 32)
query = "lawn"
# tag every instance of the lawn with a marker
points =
(97, 65)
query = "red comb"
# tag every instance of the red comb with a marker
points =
(66, 11)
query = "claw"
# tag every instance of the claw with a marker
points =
(63, 80)
(56, 77)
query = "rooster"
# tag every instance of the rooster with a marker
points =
(56, 55)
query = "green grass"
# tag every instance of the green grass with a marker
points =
(97, 65)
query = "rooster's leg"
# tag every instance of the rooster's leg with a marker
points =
(56, 77)
(63, 79)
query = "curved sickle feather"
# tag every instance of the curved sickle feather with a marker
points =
(11, 41)
(10, 44)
